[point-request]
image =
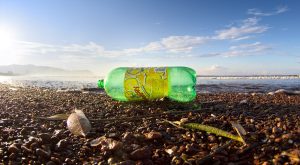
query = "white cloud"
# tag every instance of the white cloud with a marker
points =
(213, 70)
(173, 44)
(245, 46)
(246, 50)
(186, 43)
(153, 46)
(74, 49)
(32, 48)
(24, 47)
(178, 44)
(242, 38)
(256, 48)
(88, 50)
(257, 12)
(93, 50)
(249, 26)
(216, 68)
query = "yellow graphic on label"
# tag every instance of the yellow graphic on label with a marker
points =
(146, 83)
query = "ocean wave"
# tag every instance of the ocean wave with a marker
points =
(251, 77)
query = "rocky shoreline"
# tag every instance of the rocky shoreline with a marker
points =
(140, 136)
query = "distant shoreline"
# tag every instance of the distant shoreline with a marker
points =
(9, 74)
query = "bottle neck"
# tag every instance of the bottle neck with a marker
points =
(101, 83)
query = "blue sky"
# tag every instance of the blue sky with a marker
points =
(213, 37)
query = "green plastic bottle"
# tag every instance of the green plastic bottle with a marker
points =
(151, 83)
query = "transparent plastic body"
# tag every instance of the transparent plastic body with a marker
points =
(181, 84)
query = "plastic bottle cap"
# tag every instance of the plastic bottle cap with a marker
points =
(101, 83)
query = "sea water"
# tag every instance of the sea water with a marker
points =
(247, 84)
(208, 84)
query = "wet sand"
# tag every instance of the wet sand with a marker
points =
(272, 123)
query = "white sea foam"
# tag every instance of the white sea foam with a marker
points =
(255, 77)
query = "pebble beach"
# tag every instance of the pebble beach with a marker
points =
(137, 132)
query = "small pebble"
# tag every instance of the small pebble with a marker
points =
(50, 163)
(114, 160)
(61, 144)
(56, 160)
(243, 102)
(171, 151)
(141, 153)
(46, 137)
(42, 153)
(278, 140)
(276, 130)
(286, 136)
(153, 135)
(13, 149)
(25, 149)
(191, 148)
(12, 156)
(127, 162)
(211, 138)
(23, 131)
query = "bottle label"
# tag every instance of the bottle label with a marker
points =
(146, 83)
